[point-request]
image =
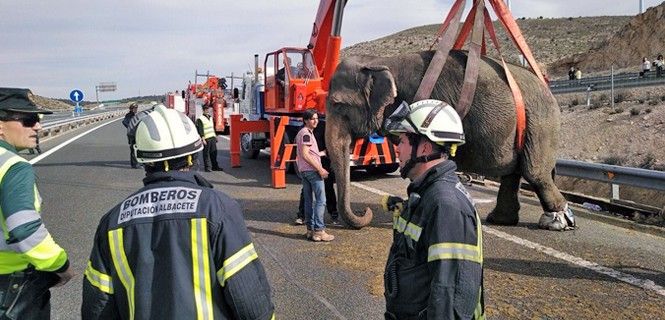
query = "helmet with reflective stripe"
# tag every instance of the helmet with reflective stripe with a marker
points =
(165, 134)
(435, 119)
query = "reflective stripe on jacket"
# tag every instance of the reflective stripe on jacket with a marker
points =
(176, 249)
(434, 268)
(208, 127)
(25, 241)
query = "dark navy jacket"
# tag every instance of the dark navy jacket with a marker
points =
(434, 268)
(176, 249)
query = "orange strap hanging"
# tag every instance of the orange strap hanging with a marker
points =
(520, 109)
(444, 26)
(439, 59)
(514, 31)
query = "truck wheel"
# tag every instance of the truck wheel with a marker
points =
(246, 149)
(383, 169)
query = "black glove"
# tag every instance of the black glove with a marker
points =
(392, 203)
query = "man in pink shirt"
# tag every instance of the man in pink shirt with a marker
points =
(312, 174)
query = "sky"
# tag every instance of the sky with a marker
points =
(151, 47)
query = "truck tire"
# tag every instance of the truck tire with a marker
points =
(382, 169)
(246, 149)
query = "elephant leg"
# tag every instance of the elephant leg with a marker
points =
(548, 193)
(557, 215)
(507, 207)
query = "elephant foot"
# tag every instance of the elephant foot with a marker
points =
(502, 219)
(563, 220)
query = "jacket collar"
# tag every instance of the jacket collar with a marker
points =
(183, 176)
(441, 171)
(6, 145)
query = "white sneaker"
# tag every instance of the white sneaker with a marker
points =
(299, 222)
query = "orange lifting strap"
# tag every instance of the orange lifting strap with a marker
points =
(477, 19)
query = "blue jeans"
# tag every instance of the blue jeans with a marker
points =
(312, 183)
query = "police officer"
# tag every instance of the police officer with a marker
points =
(206, 130)
(176, 249)
(30, 261)
(434, 268)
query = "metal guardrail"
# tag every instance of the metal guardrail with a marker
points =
(56, 127)
(624, 80)
(642, 178)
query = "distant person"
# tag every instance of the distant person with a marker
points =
(176, 248)
(31, 262)
(133, 108)
(646, 67)
(206, 130)
(660, 64)
(312, 174)
(571, 73)
(578, 74)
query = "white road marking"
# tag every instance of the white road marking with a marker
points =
(60, 146)
(642, 283)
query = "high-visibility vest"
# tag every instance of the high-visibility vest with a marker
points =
(208, 127)
(39, 249)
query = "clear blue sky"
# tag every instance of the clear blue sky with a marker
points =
(150, 47)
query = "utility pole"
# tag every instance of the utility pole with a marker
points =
(641, 6)
(508, 4)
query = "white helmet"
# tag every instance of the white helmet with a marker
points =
(435, 119)
(165, 134)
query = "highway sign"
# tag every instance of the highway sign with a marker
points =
(76, 95)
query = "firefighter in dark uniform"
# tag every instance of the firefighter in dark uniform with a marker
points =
(31, 262)
(131, 139)
(435, 265)
(176, 249)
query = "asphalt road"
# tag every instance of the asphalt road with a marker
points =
(599, 270)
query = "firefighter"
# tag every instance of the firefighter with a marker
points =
(206, 130)
(30, 260)
(435, 265)
(175, 249)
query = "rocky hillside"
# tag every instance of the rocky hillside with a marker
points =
(550, 40)
(642, 36)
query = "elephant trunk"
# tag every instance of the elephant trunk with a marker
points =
(338, 139)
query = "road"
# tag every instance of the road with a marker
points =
(599, 269)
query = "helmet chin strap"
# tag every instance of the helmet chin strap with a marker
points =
(414, 160)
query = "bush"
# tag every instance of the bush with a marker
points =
(648, 162)
(634, 111)
(622, 96)
(662, 98)
(595, 105)
(648, 110)
(616, 111)
(603, 97)
(640, 101)
(575, 102)
(614, 160)
(653, 102)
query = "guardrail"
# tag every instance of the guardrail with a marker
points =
(624, 80)
(613, 175)
(56, 127)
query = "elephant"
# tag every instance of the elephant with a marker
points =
(366, 89)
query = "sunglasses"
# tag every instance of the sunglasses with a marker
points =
(27, 121)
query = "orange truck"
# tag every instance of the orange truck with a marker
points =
(297, 79)
(210, 92)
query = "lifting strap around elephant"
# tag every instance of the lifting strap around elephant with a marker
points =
(439, 59)
(477, 19)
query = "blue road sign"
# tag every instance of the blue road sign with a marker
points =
(76, 95)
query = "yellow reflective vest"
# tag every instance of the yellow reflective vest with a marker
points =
(26, 241)
(208, 127)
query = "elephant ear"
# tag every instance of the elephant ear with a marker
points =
(380, 91)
